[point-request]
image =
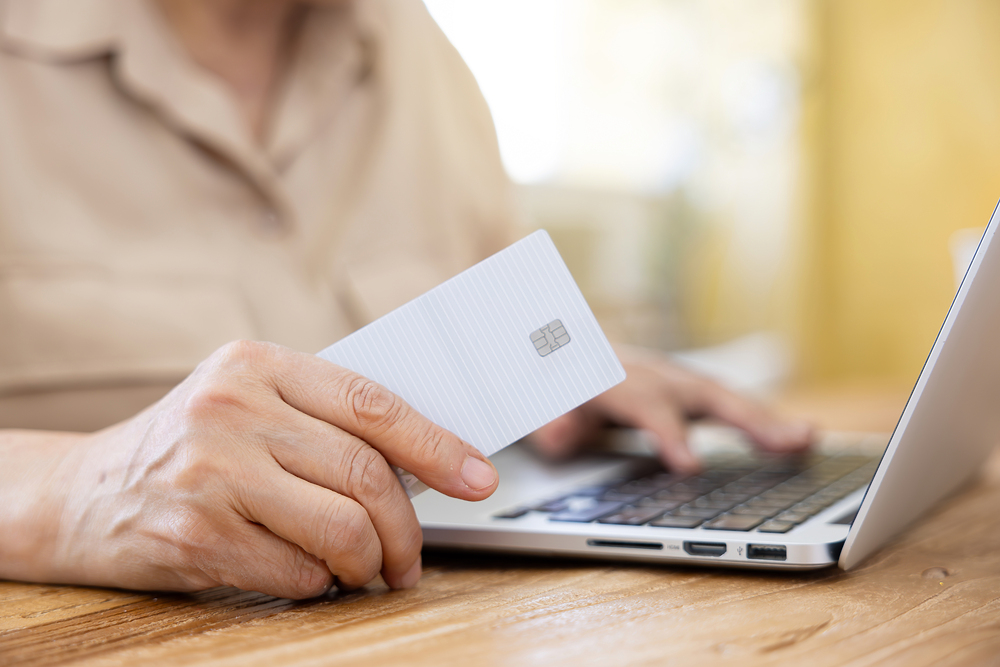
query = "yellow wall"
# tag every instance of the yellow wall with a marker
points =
(902, 122)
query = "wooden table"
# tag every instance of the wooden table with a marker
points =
(931, 597)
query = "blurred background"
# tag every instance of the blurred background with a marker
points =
(778, 191)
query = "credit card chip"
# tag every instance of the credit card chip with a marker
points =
(550, 337)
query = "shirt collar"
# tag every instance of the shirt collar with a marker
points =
(62, 30)
(337, 51)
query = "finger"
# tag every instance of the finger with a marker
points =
(702, 397)
(332, 527)
(763, 426)
(371, 412)
(255, 559)
(669, 428)
(326, 456)
(648, 411)
(562, 435)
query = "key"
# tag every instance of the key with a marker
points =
(669, 521)
(775, 527)
(700, 512)
(734, 522)
(632, 516)
(554, 505)
(587, 514)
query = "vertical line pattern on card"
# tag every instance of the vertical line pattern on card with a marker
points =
(461, 354)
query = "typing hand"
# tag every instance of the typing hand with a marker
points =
(660, 397)
(266, 469)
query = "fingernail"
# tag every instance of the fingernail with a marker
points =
(692, 465)
(683, 463)
(805, 430)
(796, 433)
(477, 474)
(410, 579)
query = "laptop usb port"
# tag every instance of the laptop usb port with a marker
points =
(705, 548)
(766, 552)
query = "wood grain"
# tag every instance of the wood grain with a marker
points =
(930, 598)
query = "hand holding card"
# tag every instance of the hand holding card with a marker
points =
(491, 354)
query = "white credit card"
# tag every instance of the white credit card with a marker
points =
(492, 354)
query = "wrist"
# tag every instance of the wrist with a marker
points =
(37, 478)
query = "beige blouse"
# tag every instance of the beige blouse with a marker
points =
(142, 226)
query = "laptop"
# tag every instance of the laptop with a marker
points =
(837, 504)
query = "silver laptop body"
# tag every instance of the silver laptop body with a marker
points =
(947, 430)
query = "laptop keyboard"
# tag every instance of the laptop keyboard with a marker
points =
(732, 493)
